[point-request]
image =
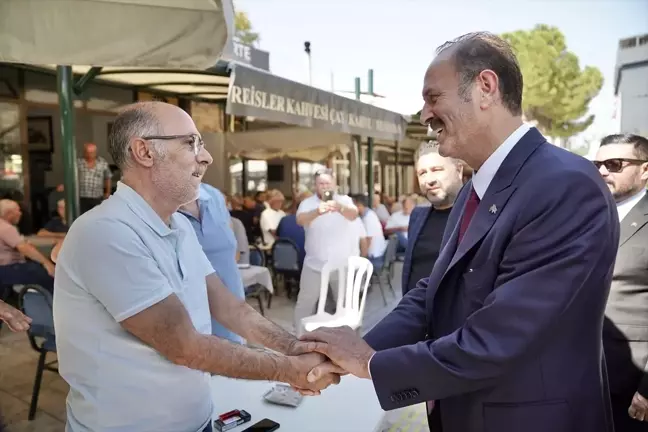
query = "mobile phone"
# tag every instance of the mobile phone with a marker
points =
(327, 195)
(265, 425)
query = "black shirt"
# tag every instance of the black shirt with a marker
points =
(427, 247)
(56, 225)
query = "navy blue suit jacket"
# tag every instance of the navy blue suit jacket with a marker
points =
(416, 222)
(506, 332)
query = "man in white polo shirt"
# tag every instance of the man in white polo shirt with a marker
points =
(330, 238)
(135, 295)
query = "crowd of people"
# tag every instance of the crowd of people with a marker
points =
(525, 283)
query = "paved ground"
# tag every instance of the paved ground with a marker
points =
(18, 366)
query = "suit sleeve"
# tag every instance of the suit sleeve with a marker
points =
(406, 324)
(555, 246)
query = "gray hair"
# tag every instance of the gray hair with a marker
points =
(136, 120)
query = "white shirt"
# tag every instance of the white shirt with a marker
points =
(359, 232)
(624, 207)
(269, 222)
(483, 178)
(398, 220)
(375, 231)
(118, 383)
(329, 237)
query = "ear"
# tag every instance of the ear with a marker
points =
(141, 152)
(644, 172)
(488, 87)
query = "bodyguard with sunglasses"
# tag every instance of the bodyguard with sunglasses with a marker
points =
(623, 163)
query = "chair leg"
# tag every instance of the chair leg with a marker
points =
(382, 290)
(260, 304)
(37, 384)
(270, 300)
(389, 282)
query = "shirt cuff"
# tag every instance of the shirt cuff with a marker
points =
(369, 366)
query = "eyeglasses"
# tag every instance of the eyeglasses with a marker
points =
(617, 164)
(195, 141)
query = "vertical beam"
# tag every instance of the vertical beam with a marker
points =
(370, 172)
(356, 159)
(397, 166)
(65, 85)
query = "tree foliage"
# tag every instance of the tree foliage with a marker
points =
(244, 32)
(557, 92)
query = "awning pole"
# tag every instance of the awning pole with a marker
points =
(370, 172)
(65, 84)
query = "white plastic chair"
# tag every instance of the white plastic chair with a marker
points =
(352, 296)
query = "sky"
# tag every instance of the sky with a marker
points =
(397, 39)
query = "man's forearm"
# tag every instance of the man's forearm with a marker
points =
(259, 330)
(349, 212)
(304, 219)
(221, 357)
(32, 253)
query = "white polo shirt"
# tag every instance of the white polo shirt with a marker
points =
(270, 219)
(117, 260)
(375, 231)
(330, 237)
(398, 220)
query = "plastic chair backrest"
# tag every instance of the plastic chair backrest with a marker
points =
(36, 303)
(285, 256)
(359, 271)
(256, 257)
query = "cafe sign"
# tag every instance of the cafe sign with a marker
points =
(258, 94)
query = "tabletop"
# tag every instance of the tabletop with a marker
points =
(351, 406)
(256, 275)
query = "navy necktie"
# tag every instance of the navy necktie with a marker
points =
(469, 212)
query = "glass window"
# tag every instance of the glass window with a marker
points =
(11, 173)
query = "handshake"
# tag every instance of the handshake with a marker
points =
(319, 358)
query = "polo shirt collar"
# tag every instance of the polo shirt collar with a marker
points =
(144, 211)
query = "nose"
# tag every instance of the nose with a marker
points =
(204, 157)
(604, 171)
(426, 115)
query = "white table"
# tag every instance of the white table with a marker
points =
(351, 406)
(257, 275)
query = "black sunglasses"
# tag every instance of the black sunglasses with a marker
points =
(617, 164)
(196, 141)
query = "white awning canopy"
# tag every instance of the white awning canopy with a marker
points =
(145, 33)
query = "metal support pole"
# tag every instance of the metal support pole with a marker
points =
(357, 173)
(370, 82)
(397, 167)
(65, 85)
(370, 173)
(80, 85)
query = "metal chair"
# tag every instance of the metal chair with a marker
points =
(257, 258)
(285, 255)
(386, 270)
(36, 302)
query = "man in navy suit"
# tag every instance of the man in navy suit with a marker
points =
(505, 333)
(440, 180)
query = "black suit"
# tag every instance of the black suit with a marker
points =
(625, 331)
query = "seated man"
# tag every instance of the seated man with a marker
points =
(271, 216)
(375, 236)
(398, 222)
(14, 269)
(242, 244)
(290, 229)
(57, 226)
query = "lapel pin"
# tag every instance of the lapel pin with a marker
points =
(492, 209)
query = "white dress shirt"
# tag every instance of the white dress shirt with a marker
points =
(483, 178)
(624, 207)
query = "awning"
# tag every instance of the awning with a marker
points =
(152, 33)
(254, 93)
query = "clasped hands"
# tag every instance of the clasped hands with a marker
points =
(326, 354)
(329, 207)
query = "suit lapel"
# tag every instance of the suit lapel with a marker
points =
(637, 218)
(498, 193)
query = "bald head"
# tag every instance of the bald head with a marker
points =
(139, 120)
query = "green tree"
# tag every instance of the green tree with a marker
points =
(244, 32)
(557, 92)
